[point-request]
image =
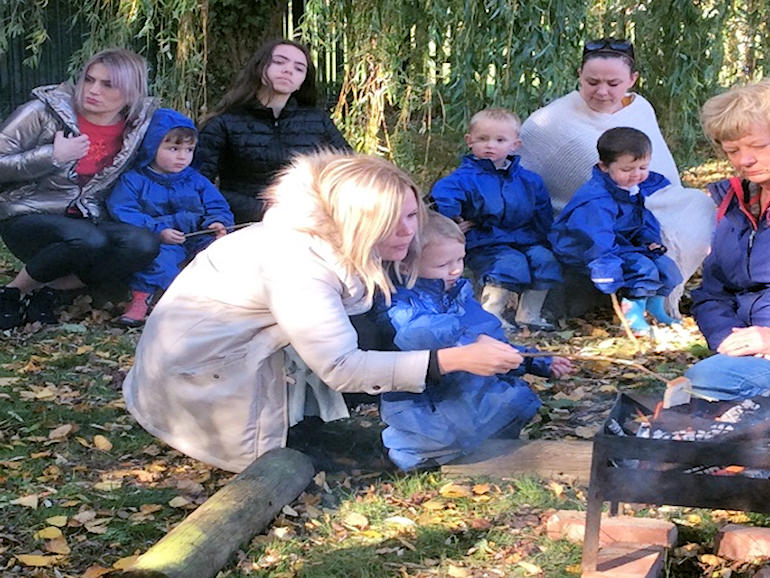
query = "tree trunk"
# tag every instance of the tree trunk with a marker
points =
(203, 543)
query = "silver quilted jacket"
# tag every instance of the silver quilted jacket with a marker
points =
(32, 182)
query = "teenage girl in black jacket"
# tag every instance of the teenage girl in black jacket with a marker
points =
(268, 116)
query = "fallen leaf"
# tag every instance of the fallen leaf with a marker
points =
(455, 491)
(434, 505)
(58, 521)
(107, 485)
(556, 488)
(124, 563)
(479, 489)
(98, 526)
(8, 381)
(356, 520)
(457, 571)
(586, 432)
(26, 501)
(37, 560)
(400, 521)
(283, 532)
(85, 516)
(480, 524)
(61, 432)
(150, 508)
(48, 533)
(289, 511)
(96, 571)
(711, 559)
(189, 487)
(102, 443)
(58, 546)
(178, 502)
(530, 568)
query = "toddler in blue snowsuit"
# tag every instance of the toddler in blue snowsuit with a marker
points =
(505, 211)
(606, 229)
(164, 194)
(456, 414)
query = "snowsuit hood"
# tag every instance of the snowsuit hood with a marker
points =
(163, 120)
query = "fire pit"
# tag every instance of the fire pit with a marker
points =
(708, 455)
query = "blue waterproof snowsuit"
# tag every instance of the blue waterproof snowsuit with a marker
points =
(186, 201)
(606, 230)
(457, 414)
(512, 210)
(735, 291)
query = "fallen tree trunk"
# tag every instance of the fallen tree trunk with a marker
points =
(203, 543)
(553, 459)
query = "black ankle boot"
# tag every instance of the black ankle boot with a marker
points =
(11, 307)
(41, 306)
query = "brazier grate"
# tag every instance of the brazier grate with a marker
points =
(678, 472)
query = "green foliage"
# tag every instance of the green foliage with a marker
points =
(25, 19)
(425, 67)
(409, 73)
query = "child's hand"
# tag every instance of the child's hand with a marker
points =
(219, 228)
(561, 367)
(465, 226)
(171, 237)
(656, 248)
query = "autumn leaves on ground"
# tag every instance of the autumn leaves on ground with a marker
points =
(84, 489)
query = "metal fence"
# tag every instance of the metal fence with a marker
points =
(17, 79)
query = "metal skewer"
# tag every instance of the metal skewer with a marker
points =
(209, 231)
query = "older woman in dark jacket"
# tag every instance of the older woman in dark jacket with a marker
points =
(266, 118)
(732, 306)
(60, 154)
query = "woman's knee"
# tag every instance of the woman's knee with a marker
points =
(140, 244)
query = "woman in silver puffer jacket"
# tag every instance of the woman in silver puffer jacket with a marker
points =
(60, 154)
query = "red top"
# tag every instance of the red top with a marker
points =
(105, 141)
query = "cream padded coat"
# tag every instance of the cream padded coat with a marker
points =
(208, 376)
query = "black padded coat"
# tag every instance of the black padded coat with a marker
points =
(246, 146)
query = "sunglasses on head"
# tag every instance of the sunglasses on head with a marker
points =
(609, 45)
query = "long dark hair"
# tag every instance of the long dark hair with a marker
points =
(251, 79)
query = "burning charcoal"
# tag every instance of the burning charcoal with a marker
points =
(758, 474)
(643, 431)
(732, 415)
(615, 428)
(658, 434)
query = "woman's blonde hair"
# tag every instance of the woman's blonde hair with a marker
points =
(353, 202)
(128, 73)
(732, 114)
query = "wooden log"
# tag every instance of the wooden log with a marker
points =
(203, 543)
(559, 460)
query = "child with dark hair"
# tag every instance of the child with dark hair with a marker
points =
(607, 230)
(164, 194)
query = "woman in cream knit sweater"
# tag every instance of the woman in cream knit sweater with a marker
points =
(559, 143)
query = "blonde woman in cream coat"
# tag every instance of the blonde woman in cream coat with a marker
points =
(209, 378)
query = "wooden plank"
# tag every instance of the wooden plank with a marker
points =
(203, 543)
(552, 459)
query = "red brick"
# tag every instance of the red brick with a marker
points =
(624, 560)
(570, 525)
(743, 543)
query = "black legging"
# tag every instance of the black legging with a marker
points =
(54, 246)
